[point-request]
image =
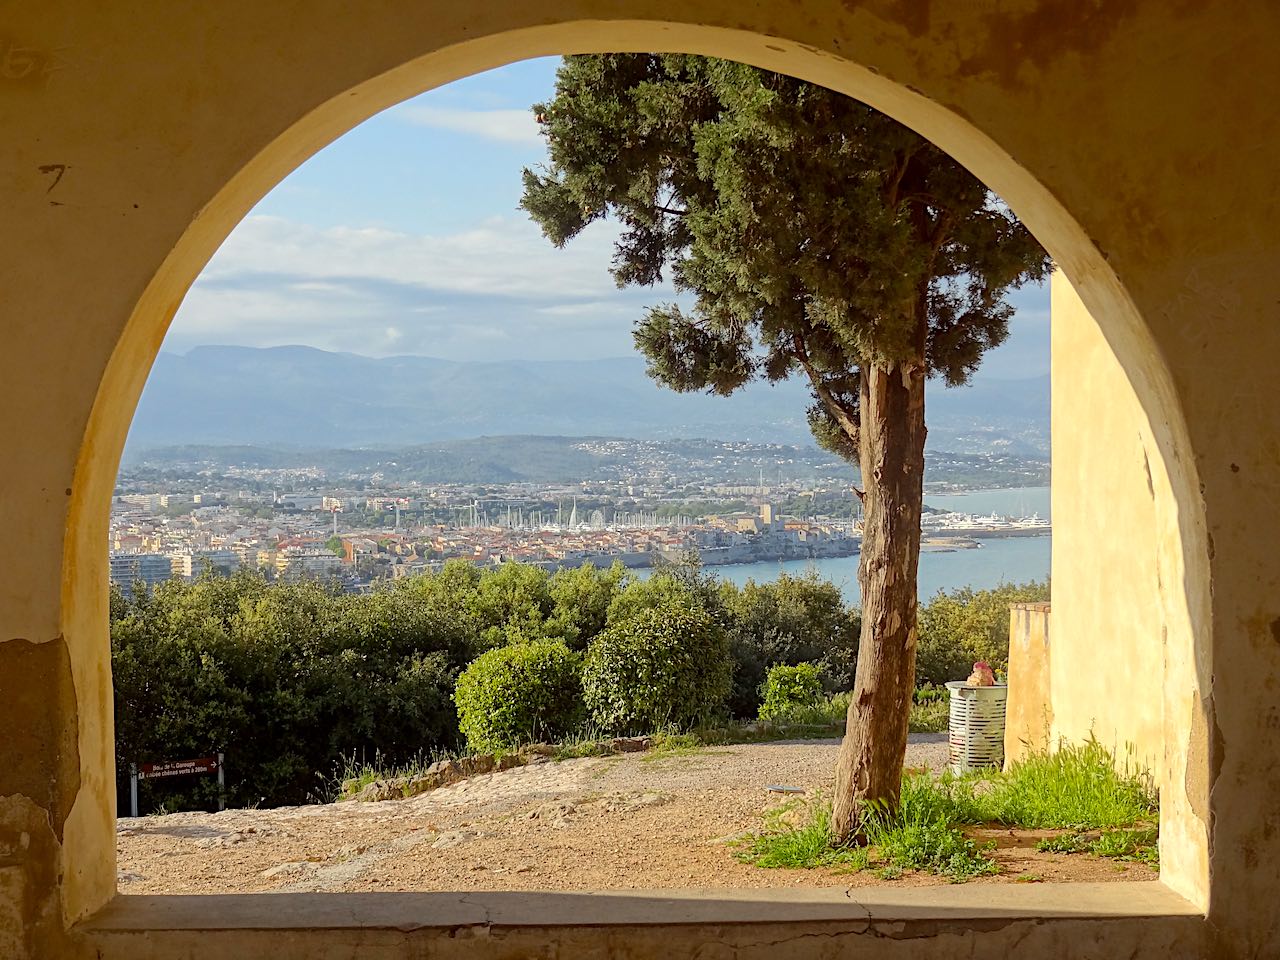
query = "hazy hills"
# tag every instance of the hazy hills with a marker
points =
(544, 460)
(304, 397)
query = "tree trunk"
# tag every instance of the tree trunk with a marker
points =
(891, 454)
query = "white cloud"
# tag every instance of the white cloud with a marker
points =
(504, 126)
(501, 257)
(498, 288)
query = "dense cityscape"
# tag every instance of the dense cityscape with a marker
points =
(318, 521)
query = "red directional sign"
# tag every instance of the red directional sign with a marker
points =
(177, 768)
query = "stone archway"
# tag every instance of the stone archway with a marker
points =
(142, 142)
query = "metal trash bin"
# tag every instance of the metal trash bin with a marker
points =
(976, 730)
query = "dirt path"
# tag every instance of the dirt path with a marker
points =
(629, 821)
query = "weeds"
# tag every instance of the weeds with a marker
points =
(351, 776)
(1064, 843)
(587, 742)
(930, 711)
(920, 834)
(1075, 786)
(668, 745)
(915, 837)
(1137, 845)
(804, 847)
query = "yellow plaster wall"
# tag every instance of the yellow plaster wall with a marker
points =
(1136, 138)
(1107, 668)
(1029, 707)
(1121, 666)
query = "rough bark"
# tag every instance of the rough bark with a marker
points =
(891, 452)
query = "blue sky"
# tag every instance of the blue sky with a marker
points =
(404, 237)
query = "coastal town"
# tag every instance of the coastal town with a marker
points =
(362, 536)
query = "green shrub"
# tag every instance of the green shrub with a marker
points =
(958, 628)
(581, 598)
(789, 621)
(788, 689)
(664, 666)
(522, 693)
(930, 710)
(286, 678)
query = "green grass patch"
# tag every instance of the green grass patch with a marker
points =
(921, 834)
(1138, 844)
(586, 742)
(930, 713)
(803, 847)
(917, 836)
(669, 745)
(1076, 786)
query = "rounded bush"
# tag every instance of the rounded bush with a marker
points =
(665, 666)
(523, 693)
(787, 690)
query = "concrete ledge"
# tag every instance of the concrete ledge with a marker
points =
(997, 920)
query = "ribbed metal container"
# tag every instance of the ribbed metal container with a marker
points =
(976, 730)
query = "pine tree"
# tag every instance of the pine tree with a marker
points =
(817, 238)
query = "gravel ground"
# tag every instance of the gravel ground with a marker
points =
(622, 822)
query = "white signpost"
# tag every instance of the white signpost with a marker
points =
(176, 768)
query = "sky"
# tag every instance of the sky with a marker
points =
(405, 237)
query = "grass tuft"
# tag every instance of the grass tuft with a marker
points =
(921, 833)
(803, 847)
(1076, 786)
(352, 775)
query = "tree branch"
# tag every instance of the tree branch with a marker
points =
(848, 423)
(898, 174)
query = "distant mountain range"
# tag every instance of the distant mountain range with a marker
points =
(305, 397)
(544, 460)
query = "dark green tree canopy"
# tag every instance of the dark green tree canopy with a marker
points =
(816, 235)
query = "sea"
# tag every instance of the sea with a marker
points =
(996, 561)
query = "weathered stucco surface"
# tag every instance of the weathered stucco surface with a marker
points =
(1107, 660)
(1122, 663)
(954, 923)
(1135, 138)
(1029, 707)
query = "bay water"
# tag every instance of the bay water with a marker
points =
(996, 561)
